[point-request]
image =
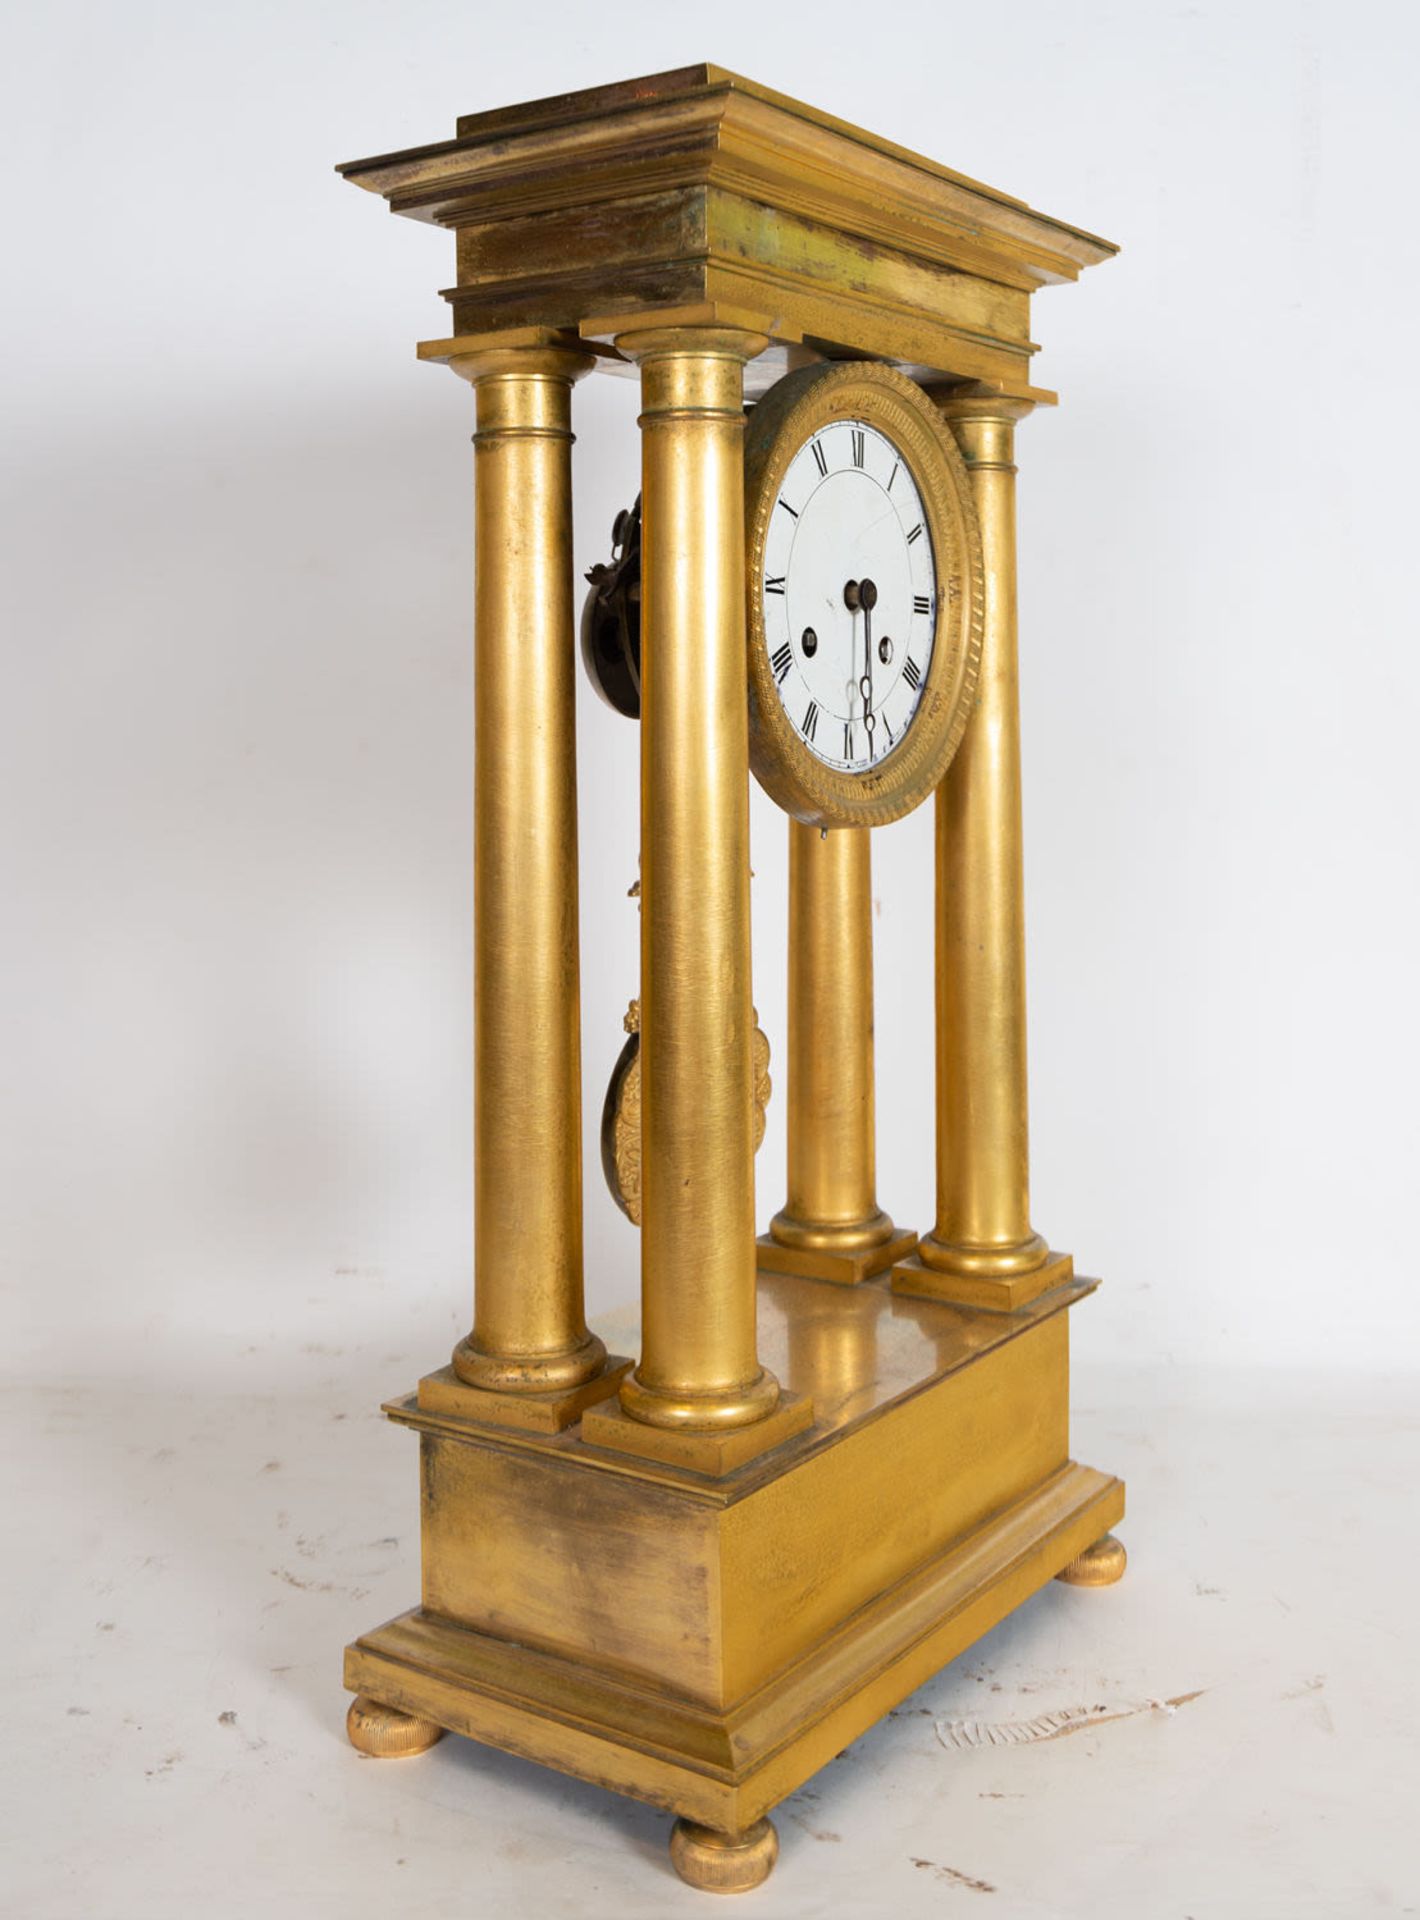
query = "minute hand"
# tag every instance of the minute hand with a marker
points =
(869, 596)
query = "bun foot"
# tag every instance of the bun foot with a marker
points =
(385, 1733)
(1098, 1566)
(724, 1862)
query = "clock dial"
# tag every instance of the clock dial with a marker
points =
(849, 594)
(865, 594)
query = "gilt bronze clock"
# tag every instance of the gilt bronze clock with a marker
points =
(837, 1451)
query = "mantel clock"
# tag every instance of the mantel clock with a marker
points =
(841, 1451)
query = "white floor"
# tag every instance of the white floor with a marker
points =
(185, 1567)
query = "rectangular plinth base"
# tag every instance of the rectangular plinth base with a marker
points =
(707, 1644)
(726, 1769)
(444, 1392)
(991, 1293)
(843, 1269)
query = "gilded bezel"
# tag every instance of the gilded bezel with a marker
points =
(798, 406)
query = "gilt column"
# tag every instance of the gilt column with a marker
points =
(698, 1395)
(529, 1360)
(831, 1226)
(983, 1250)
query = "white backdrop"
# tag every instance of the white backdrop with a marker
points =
(237, 707)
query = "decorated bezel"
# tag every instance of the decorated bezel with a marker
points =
(801, 405)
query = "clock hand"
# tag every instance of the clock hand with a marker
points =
(868, 599)
(853, 600)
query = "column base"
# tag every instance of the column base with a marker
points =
(1098, 1566)
(444, 1392)
(823, 1263)
(714, 1454)
(993, 1293)
(724, 1862)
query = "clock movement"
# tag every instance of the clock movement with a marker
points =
(839, 1451)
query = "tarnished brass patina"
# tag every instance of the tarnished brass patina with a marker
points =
(697, 1578)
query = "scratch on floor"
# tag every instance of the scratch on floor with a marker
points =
(962, 1736)
(957, 1879)
(318, 1586)
(229, 1719)
(815, 1833)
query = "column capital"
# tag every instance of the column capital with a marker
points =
(692, 375)
(973, 401)
(692, 372)
(711, 340)
(553, 352)
(984, 423)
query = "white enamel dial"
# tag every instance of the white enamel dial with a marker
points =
(849, 591)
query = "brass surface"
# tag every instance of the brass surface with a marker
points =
(698, 187)
(723, 1862)
(784, 764)
(384, 1733)
(1099, 1565)
(983, 1233)
(831, 1226)
(529, 1334)
(621, 1115)
(698, 1369)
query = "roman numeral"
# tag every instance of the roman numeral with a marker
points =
(893, 475)
(860, 450)
(774, 583)
(912, 673)
(818, 456)
(794, 511)
(810, 723)
(914, 533)
(847, 739)
(921, 603)
(781, 662)
(890, 734)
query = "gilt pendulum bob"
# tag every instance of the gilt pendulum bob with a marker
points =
(621, 1113)
(836, 1451)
